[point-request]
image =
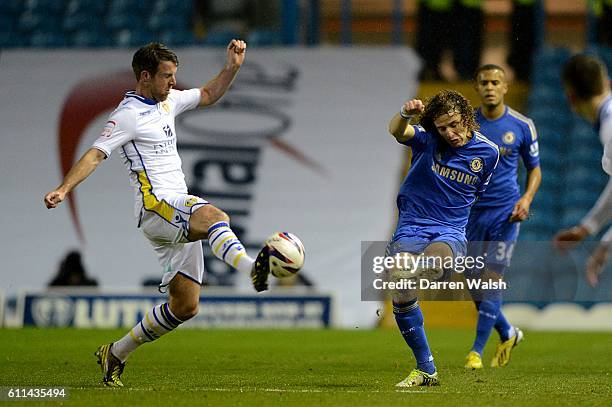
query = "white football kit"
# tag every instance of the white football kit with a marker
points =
(601, 213)
(143, 131)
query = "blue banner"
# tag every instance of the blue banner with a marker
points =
(89, 310)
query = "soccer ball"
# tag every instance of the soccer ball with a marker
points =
(286, 254)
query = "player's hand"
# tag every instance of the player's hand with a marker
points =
(569, 238)
(595, 264)
(54, 198)
(413, 107)
(520, 212)
(236, 51)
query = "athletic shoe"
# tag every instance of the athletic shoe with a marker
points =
(504, 349)
(419, 378)
(261, 270)
(111, 366)
(473, 361)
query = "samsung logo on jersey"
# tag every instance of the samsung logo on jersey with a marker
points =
(454, 175)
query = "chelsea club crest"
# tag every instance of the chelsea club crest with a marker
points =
(476, 164)
(508, 137)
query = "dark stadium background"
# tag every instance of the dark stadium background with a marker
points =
(548, 291)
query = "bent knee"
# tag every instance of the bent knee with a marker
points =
(208, 215)
(202, 219)
(217, 215)
(187, 311)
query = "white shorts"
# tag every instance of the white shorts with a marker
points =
(166, 225)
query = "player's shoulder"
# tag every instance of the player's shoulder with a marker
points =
(486, 150)
(484, 143)
(176, 94)
(133, 106)
(605, 112)
(517, 116)
(130, 110)
(419, 129)
(523, 122)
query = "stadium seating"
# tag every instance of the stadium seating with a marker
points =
(41, 39)
(89, 39)
(264, 38)
(10, 7)
(112, 23)
(220, 37)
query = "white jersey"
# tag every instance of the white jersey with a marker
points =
(144, 132)
(601, 213)
(604, 124)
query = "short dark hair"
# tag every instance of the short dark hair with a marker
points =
(147, 58)
(444, 102)
(487, 67)
(585, 75)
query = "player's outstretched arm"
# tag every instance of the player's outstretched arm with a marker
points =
(216, 87)
(598, 216)
(399, 126)
(81, 170)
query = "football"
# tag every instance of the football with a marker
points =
(286, 254)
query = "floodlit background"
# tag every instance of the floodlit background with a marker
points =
(298, 144)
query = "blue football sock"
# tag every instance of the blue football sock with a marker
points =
(409, 320)
(503, 327)
(487, 316)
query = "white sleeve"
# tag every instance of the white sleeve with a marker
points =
(606, 136)
(601, 213)
(118, 130)
(185, 100)
(607, 237)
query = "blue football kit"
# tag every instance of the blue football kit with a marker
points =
(489, 229)
(434, 204)
(442, 184)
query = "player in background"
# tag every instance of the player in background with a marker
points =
(142, 129)
(587, 87)
(494, 222)
(451, 165)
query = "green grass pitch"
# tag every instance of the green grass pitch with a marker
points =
(304, 367)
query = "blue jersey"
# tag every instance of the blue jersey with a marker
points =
(515, 135)
(443, 182)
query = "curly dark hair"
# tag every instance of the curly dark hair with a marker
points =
(444, 102)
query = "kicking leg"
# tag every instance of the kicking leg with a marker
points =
(409, 320)
(209, 222)
(436, 255)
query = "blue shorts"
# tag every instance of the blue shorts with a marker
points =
(414, 239)
(489, 233)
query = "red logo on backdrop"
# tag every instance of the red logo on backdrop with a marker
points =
(85, 102)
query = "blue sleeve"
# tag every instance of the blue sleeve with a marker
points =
(419, 141)
(529, 148)
(488, 172)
